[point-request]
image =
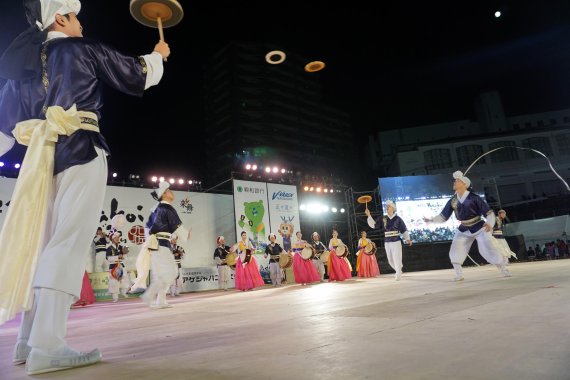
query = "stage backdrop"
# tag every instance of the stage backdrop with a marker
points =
(263, 208)
(208, 215)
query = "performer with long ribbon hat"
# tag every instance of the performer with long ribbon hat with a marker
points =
(52, 103)
(164, 223)
(220, 257)
(119, 282)
(469, 208)
(393, 226)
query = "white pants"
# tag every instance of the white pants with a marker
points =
(224, 276)
(394, 254)
(320, 267)
(176, 285)
(163, 271)
(76, 201)
(461, 243)
(275, 273)
(101, 263)
(116, 287)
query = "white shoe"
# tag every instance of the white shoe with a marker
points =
(398, 277)
(506, 273)
(161, 306)
(38, 362)
(147, 298)
(21, 352)
(458, 278)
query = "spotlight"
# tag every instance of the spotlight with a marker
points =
(334, 209)
(311, 188)
(171, 180)
(325, 208)
(247, 167)
(154, 179)
(318, 189)
(1, 164)
(17, 166)
(161, 179)
(275, 169)
(180, 181)
(331, 190)
(114, 174)
(190, 182)
(268, 169)
(254, 167)
(497, 14)
(283, 171)
(306, 188)
(302, 207)
(342, 210)
(326, 190)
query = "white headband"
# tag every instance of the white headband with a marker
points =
(52, 7)
(459, 175)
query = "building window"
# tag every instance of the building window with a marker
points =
(546, 188)
(563, 143)
(540, 143)
(437, 159)
(503, 155)
(512, 193)
(466, 154)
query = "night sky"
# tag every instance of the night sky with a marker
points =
(396, 65)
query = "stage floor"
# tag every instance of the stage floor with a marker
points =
(422, 327)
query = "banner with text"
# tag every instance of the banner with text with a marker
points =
(284, 213)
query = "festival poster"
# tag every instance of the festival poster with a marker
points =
(252, 216)
(284, 213)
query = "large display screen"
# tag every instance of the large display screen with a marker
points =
(417, 197)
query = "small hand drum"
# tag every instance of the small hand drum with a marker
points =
(370, 249)
(285, 260)
(308, 252)
(325, 257)
(341, 250)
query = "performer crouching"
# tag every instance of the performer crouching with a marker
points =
(393, 226)
(178, 253)
(163, 267)
(273, 251)
(320, 249)
(469, 208)
(118, 277)
(224, 271)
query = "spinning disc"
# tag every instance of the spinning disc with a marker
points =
(275, 57)
(151, 12)
(314, 66)
(364, 199)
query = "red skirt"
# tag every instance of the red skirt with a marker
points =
(87, 297)
(338, 268)
(248, 277)
(304, 270)
(367, 265)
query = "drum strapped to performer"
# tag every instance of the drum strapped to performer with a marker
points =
(247, 257)
(285, 260)
(341, 250)
(325, 257)
(370, 249)
(308, 253)
(231, 259)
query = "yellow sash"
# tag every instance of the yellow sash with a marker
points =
(22, 233)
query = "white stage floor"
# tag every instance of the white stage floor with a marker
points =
(422, 327)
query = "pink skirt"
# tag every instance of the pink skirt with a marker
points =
(338, 268)
(87, 296)
(304, 270)
(248, 277)
(368, 266)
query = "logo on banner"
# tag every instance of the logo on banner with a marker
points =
(282, 195)
(187, 206)
(239, 189)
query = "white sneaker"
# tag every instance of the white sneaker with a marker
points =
(506, 273)
(21, 352)
(458, 278)
(398, 276)
(39, 362)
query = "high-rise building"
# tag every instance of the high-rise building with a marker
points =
(270, 114)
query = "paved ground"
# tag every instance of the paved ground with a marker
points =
(422, 327)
